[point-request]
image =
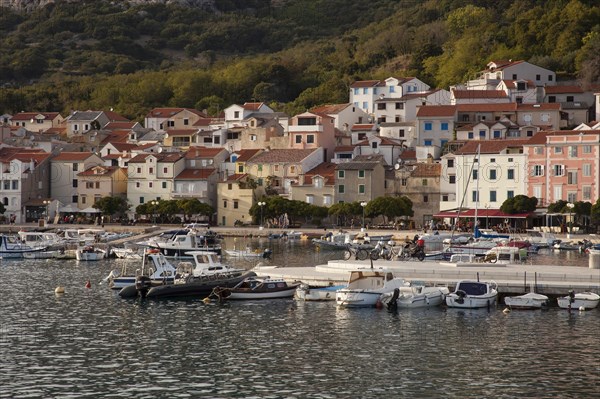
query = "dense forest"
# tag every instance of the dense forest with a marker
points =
(292, 54)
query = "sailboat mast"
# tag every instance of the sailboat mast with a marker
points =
(476, 161)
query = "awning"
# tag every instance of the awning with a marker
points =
(90, 210)
(482, 213)
(68, 209)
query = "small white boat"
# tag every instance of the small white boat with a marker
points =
(206, 265)
(89, 253)
(306, 293)
(409, 297)
(12, 247)
(365, 286)
(128, 253)
(530, 300)
(334, 241)
(585, 300)
(248, 253)
(472, 295)
(257, 288)
(155, 266)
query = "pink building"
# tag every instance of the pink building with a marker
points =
(310, 130)
(563, 165)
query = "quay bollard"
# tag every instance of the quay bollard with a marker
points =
(594, 259)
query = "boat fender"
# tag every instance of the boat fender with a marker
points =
(88, 284)
(582, 308)
(59, 290)
(506, 311)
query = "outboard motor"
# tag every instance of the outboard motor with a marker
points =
(392, 305)
(142, 285)
(461, 296)
(267, 253)
(571, 296)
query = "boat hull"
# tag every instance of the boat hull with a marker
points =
(577, 303)
(284, 293)
(182, 252)
(200, 288)
(527, 301)
(471, 302)
(357, 299)
(317, 294)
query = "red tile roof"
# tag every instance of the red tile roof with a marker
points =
(330, 109)
(427, 170)
(252, 106)
(466, 94)
(281, 155)
(195, 174)
(489, 146)
(500, 107)
(425, 111)
(368, 83)
(115, 137)
(72, 156)
(246, 155)
(363, 126)
(502, 64)
(25, 116)
(325, 170)
(37, 157)
(114, 117)
(119, 125)
(236, 176)
(167, 157)
(408, 155)
(203, 152)
(533, 107)
(344, 148)
(541, 137)
(182, 132)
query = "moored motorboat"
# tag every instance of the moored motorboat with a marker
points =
(472, 295)
(305, 292)
(183, 241)
(418, 296)
(248, 253)
(580, 300)
(41, 254)
(257, 288)
(530, 300)
(192, 286)
(365, 286)
(11, 247)
(89, 253)
(155, 266)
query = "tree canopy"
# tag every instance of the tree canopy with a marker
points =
(112, 205)
(519, 204)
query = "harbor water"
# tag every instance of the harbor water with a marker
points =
(91, 343)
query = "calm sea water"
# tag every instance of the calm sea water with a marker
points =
(91, 343)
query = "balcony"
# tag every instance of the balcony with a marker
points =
(187, 194)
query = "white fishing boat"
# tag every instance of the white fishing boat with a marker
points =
(418, 296)
(205, 264)
(365, 286)
(128, 253)
(41, 239)
(530, 300)
(12, 247)
(334, 241)
(257, 288)
(155, 266)
(306, 293)
(580, 300)
(89, 253)
(183, 241)
(248, 253)
(472, 295)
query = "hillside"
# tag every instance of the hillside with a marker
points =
(294, 54)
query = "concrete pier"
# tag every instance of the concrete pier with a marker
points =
(511, 278)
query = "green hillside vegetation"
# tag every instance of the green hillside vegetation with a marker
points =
(291, 54)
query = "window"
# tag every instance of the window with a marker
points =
(259, 168)
(475, 173)
(365, 105)
(392, 89)
(510, 194)
(83, 199)
(444, 126)
(424, 182)
(150, 184)
(493, 174)
(587, 193)
(573, 151)
(341, 189)
(75, 167)
(538, 150)
(470, 135)
(165, 170)
(586, 169)
(550, 78)
(310, 199)
(74, 182)
(397, 119)
(445, 198)
(572, 177)
(318, 182)
(240, 168)
(75, 199)
(496, 134)
(151, 171)
(292, 169)
(428, 142)
(530, 134)
(552, 99)
(327, 200)
(482, 133)
(426, 198)
(365, 90)
(235, 204)
(6, 184)
(401, 133)
(341, 174)
(452, 179)
(164, 184)
(538, 170)
(381, 106)
(224, 203)
(451, 163)
(361, 174)
(141, 200)
(403, 182)
(572, 197)
(475, 196)
(510, 174)
(587, 149)
(492, 195)
(570, 99)
(558, 170)
(139, 171)
(298, 139)
(514, 77)
(310, 139)
(15, 184)
(399, 105)
(558, 150)
(538, 77)
(138, 184)
(374, 144)
(428, 126)
(97, 185)
(545, 117)
(361, 188)
(170, 123)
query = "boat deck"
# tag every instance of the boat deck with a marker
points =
(511, 278)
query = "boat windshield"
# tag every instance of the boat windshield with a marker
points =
(473, 288)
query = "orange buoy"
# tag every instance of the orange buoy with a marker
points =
(88, 284)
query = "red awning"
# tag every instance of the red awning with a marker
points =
(482, 213)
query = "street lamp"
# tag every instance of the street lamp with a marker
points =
(47, 203)
(261, 204)
(154, 204)
(363, 204)
(570, 205)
